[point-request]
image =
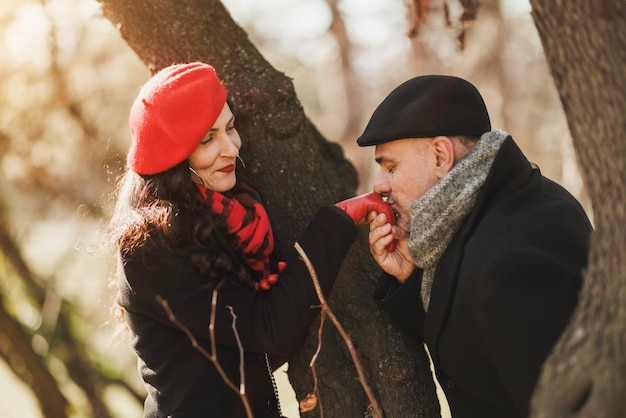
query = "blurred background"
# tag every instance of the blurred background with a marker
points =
(67, 80)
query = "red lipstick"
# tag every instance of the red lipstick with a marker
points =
(228, 169)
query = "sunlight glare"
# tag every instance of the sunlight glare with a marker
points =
(26, 36)
(513, 8)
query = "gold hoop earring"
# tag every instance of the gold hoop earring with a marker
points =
(241, 160)
(197, 175)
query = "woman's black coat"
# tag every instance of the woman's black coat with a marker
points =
(503, 291)
(180, 382)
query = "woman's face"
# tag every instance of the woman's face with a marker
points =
(214, 159)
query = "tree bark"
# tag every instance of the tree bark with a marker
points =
(297, 171)
(585, 45)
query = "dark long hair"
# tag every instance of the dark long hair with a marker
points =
(162, 217)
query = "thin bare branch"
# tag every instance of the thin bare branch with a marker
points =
(212, 320)
(242, 374)
(312, 400)
(377, 410)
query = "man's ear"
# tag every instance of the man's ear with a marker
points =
(444, 154)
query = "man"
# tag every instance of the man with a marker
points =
(489, 254)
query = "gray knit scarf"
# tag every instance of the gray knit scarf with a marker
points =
(438, 214)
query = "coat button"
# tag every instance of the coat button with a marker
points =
(450, 384)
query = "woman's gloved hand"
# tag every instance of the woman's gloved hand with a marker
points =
(360, 206)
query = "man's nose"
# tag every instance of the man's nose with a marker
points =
(381, 185)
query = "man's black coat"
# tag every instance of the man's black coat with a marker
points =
(503, 291)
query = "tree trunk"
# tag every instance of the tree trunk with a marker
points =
(17, 351)
(297, 172)
(585, 45)
(64, 341)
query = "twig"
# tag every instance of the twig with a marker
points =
(313, 400)
(212, 319)
(325, 308)
(212, 357)
(242, 374)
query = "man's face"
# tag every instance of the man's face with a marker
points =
(407, 171)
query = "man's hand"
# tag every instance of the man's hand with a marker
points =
(396, 261)
(360, 206)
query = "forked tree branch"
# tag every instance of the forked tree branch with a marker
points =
(212, 357)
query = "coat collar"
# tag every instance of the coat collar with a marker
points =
(510, 170)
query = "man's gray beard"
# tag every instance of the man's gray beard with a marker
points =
(404, 222)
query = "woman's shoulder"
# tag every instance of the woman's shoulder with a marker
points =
(150, 260)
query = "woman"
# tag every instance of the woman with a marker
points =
(184, 225)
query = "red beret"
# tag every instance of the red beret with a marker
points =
(172, 113)
(428, 106)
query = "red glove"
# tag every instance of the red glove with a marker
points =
(358, 207)
(267, 282)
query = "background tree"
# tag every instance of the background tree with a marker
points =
(585, 43)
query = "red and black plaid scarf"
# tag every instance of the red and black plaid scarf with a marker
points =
(247, 221)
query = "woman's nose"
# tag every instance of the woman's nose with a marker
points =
(229, 147)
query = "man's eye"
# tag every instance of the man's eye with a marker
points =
(231, 128)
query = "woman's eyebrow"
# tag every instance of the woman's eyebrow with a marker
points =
(231, 120)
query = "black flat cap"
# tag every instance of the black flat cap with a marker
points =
(428, 106)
